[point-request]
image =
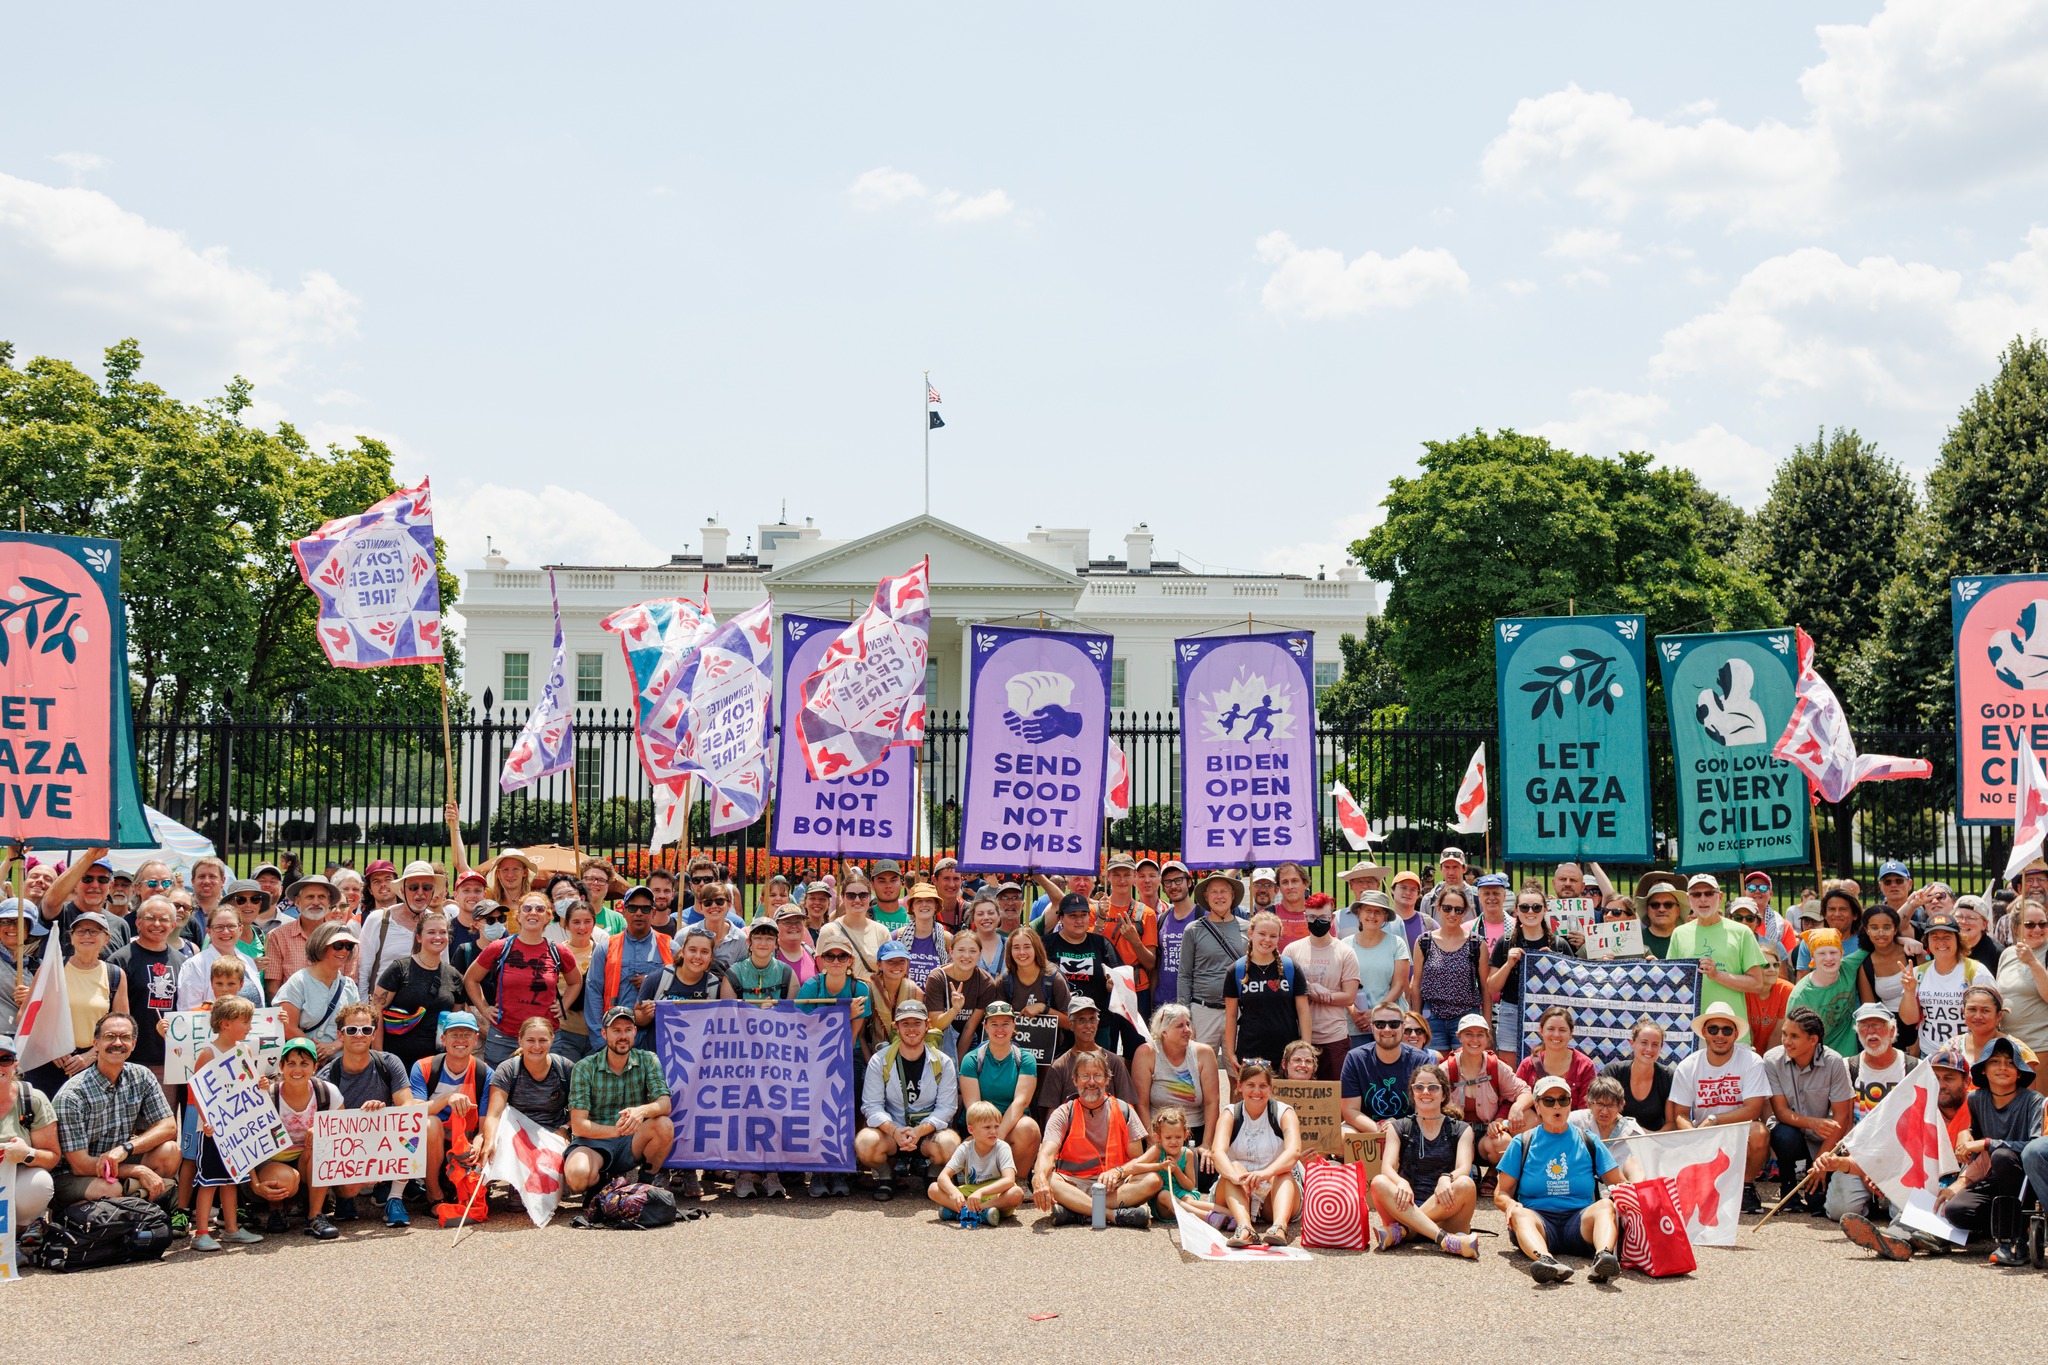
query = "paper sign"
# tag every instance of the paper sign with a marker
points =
(245, 1126)
(369, 1146)
(1320, 1113)
(1205, 1243)
(1919, 1215)
(1039, 1035)
(187, 1031)
(1614, 938)
(1365, 1149)
(1571, 914)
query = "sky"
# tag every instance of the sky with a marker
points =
(607, 272)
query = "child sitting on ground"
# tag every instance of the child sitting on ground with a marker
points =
(1180, 1166)
(981, 1177)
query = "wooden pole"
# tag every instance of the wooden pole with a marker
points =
(1819, 877)
(475, 1190)
(1812, 1170)
(576, 823)
(448, 755)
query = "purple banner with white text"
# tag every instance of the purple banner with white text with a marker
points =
(868, 815)
(754, 1089)
(1037, 750)
(1247, 749)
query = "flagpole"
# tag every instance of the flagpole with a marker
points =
(448, 747)
(927, 442)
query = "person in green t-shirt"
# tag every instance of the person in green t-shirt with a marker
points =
(1829, 991)
(1731, 964)
(760, 978)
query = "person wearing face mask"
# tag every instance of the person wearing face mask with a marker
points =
(520, 977)
(1331, 970)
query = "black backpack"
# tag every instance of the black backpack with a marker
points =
(627, 1203)
(95, 1232)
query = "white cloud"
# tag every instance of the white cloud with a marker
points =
(1592, 277)
(1604, 421)
(1900, 334)
(885, 187)
(1519, 287)
(1319, 283)
(1929, 95)
(1725, 463)
(78, 163)
(77, 250)
(552, 526)
(1584, 244)
(1327, 555)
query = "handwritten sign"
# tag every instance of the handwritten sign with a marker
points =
(369, 1146)
(1571, 914)
(1321, 1114)
(1614, 938)
(187, 1031)
(1039, 1035)
(246, 1130)
(1367, 1149)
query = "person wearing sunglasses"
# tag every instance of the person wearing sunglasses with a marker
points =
(1373, 1087)
(1731, 964)
(1724, 1083)
(1449, 982)
(1661, 896)
(311, 999)
(150, 962)
(367, 1079)
(1530, 935)
(81, 889)
(1429, 1153)
(854, 930)
(2023, 977)
(1548, 1187)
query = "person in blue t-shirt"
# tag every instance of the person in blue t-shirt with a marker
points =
(1549, 1188)
(1373, 1084)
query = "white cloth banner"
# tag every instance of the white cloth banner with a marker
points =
(1902, 1145)
(1203, 1242)
(529, 1159)
(1708, 1164)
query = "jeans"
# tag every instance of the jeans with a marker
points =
(498, 1045)
(1788, 1144)
(2034, 1161)
(1972, 1208)
(571, 1047)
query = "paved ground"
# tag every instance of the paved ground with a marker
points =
(851, 1279)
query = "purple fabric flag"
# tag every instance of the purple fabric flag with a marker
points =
(867, 695)
(380, 595)
(1249, 790)
(546, 742)
(1037, 750)
(868, 815)
(754, 1089)
(716, 717)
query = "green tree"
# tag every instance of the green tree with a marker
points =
(1825, 570)
(1501, 524)
(1983, 516)
(1370, 683)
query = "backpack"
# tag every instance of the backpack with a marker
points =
(1272, 1119)
(630, 1204)
(1244, 969)
(505, 955)
(96, 1232)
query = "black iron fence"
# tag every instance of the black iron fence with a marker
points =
(332, 789)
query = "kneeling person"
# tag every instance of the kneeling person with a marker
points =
(981, 1175)
(618, 1108)
(1094, 1137)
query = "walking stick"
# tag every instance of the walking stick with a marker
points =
(460, 1222)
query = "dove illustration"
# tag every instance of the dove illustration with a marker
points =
(1038, 707)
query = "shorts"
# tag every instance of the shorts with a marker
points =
(1507, 1027)
(1561, 1231)
(616, 1151)
(190, 1139)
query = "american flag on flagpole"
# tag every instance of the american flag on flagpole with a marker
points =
(931, 395)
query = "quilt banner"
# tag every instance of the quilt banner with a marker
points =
(1574, 739)
(374, 574)
(868, 815)
(1730, 696)
(67, 735)
(756, 1089)
(1606, 999)
(1037, 750)
(1247, 750)
(2000, 632)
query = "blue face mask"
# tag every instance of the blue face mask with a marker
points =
(493, 931)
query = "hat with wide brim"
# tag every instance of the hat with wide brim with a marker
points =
(1719, 1012)
(2005, 1047)
(1236, 888)
(1360, 871)
(1650, 881)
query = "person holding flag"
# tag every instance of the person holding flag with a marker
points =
(2005, 1119)
(1900, 1149)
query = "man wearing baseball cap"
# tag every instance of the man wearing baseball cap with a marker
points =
(1451, 868)
(886, 880)
(618, 1108)
(1179, 915)
(388, 933)
(81, 889)
(908, 1100)
(1731, 966)
(1265, 884)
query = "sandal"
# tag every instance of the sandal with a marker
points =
(884, 1192)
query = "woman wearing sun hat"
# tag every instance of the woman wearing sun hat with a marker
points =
(1209, 951)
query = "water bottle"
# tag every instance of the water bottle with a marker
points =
(1098, 1206)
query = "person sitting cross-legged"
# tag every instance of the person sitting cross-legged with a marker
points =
(1092, 1137)
(618, 1108)
(909, 1097)
(1428, 1153)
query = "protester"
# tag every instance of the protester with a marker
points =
(1209, 954)
(456, 1088)
(388, 930)
(149, 963)
(573, 1038)
(1935, 1007)
(1603, 1121)
(93, 988)
(114, 1126)
(1131, 928)
(618, 1108)
(1002, 1074)
(1663, 911)
(602, 885)
(628, 962)
(1450, 979)
(923, 937)
(1557, 1056)
(1645, 1079)
(1974, 927)
(1265, 999)
(1257, 1152)
(1811, 1097)
(415, 991)
(1177, 1070)
(2022, 977)
(1529, 934)
(80, 889)
(1093, 1137)
(2005, 1118)
(516, 978)
(862, 936)
(1766, 1009)
(1172, 921)
(1083, 957)
(1405, 891)
(1373, 1089)
(1330, 969)
(1827, 989)
(309, 1003)
(908, 1100)
(1029, 987)
(1724, 1082)
(991, 949)
(1057, 1085)
(535, 1081)
(958, 994)
(367, 1079)
(980, 1177)
(28, 1139)
(1382, 962)
(1841, 912)
(793, 943)
(1482, 1090)
(229, 1019)
(1428, 1150)
(1730, 963)
(284, 947)
(19, 959)
(1556, 1170)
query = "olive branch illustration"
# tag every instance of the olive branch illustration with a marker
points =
(41, 616)
(1578, 672)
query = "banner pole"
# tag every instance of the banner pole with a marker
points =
(576, 823)
(927, 442)
(1819, 877)
(447, 742)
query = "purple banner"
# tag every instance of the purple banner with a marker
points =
(1037, 751)
(865, 816)
(1247, 750)
(754, 1089)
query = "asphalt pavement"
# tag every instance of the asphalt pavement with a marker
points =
(850, 1279)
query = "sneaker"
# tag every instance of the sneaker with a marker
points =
(949, 1215)
(1870, 1237)
(1549, 1270)
(273, 1221)
(1131, 1218)
(322, 1227)
(691, 1186)
(395, 1215)
(771, 1186)
(1752, 1202)
(2008, 1254)
(345, 1209)
(841, 1186)
(243, 1237)
(820, 1187)
(1925, 1242)
(991, 1216)
(743, 1186)
(1605, 1267)
(181, 1223)
(1064, 1217)
(1464, 1244)
(204, 1242)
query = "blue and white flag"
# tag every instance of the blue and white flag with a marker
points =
(547, 743)
(715, 720)
(380, 595)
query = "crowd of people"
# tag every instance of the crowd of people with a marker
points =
(472, 991)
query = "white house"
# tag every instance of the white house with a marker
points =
(1145, 603)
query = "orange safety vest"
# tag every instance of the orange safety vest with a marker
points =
(476, 1086)
(614, 964)
(1080, 1159)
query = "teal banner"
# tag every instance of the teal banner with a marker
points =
(1730, 696)
(1574, 738)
